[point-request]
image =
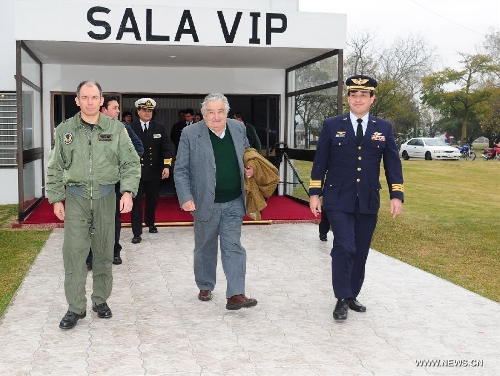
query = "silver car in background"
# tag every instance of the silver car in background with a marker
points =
(428, 149)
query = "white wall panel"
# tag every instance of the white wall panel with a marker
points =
(7, 46)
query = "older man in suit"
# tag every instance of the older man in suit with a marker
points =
(346, 172)
(209, 176)
(155, 165)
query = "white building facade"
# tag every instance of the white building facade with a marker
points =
(265, 55)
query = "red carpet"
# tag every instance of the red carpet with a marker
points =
(168, 213)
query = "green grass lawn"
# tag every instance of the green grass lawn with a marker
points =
(448, 226)
(449, 223)
(18, 250)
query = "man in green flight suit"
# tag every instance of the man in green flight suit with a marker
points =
(90, 154)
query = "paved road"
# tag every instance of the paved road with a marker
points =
(159, 327)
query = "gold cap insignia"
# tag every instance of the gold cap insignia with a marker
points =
(360, 81)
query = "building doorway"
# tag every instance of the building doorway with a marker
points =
(261, 110)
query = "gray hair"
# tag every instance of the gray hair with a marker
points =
(88, 83)
(214, 97)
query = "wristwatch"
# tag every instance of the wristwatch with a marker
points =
(130, 192)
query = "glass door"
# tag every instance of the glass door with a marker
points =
(30, 162)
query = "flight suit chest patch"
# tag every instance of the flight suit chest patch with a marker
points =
(68, 138)
(105, 137)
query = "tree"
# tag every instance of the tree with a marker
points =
(362, 58)
(459, 93)
(492, 48)
(406, 61)
(489, 116)
(312, 108)
(398, 70)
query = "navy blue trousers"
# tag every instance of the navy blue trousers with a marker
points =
(324, 224)
(353, 234)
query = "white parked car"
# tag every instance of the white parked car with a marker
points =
(428, 148)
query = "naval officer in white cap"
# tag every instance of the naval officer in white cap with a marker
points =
(155, 166)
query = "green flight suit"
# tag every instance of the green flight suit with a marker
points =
(84, 165)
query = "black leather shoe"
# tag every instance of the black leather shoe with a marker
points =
(89, 266)
(356, 306)
(102, 310)
(117, 260)
(136, 239)
(153, 229)
(323, 237)
(341, 308)
(70, 319)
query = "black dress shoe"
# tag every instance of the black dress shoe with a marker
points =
(70, 319)
(341, 308)
(102, 310)
(136, 239)
(117, 260)
(356, 306)
(323, 237)
(153, 229)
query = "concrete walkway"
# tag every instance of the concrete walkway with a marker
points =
(159, 327)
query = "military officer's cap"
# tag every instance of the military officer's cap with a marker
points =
(361, 82)
(145, 103)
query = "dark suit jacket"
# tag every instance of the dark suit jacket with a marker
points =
(157, 150)
(353, 171)
(175, 133)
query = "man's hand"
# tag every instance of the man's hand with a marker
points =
(189, 206)
(165, 173)
(126, 203)
(315, 205)
(59, 210)
(396, 207)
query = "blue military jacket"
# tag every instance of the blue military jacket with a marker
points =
(344, 171)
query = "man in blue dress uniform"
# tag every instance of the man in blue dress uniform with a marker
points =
(346, 172)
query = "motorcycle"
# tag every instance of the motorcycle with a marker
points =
(488, 151)
(466, 152)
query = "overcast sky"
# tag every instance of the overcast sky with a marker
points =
(448, 25)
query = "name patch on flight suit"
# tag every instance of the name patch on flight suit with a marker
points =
(105, 137)
(157, 135)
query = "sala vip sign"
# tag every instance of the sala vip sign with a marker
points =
(96, 16)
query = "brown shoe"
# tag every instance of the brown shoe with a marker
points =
(205, 295)
(240, 301)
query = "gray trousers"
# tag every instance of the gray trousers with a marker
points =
(88, 224)
(225, 223)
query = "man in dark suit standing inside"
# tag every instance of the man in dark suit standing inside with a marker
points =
(175, 133)
(346, 172)
(155, 166)
(253, 138)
